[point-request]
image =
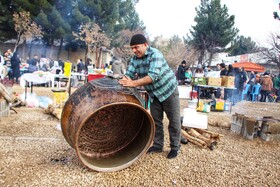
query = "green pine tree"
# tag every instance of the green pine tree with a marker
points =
(213, 31)
(242, 45)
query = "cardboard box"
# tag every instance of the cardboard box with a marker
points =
(212, 81)
(228, 82)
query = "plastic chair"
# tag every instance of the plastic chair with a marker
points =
(256, 92)
(245, 91)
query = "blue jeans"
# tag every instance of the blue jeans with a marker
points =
(171, 106)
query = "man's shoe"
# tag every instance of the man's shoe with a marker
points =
(172, 154)
(154, 150)
(184, 140)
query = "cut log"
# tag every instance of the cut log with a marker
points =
(194, 140)
(210, 143)
(213, 135)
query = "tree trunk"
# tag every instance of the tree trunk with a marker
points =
(96, 58)
(17, 42)
(201, 56)
(86, 54)
(99, 56)
(30, 50)
(23, 48)
(210, 58)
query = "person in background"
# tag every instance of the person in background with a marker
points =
(33, 64)
(228, 93)
(61, 64)
(56, 69)
(267, 86)
(276, 82)
(230, 71)
(7, 59)
(160, 83)
(87, 63)
(244, 76)
(252, 77)
(188, 75)
(239, 84)
(277, 87)
(181, 72)
(118, 67)
(209, 68)
(80, 68)
(251, 81)
(15, 65)
(223, 73)
(258, 78)
(223, 69)
(198, 71)
(43, 66)
(51, 63)
(206, 70)
(3, 68)
(218, 67)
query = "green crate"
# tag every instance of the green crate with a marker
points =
(199, 80)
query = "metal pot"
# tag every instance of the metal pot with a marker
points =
(107, 125)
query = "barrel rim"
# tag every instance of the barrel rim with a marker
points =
(117, 168)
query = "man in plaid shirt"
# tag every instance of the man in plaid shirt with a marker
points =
(160, 83)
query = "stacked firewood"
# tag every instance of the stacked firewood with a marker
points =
(202, 138)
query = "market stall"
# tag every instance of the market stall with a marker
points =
(214, 84)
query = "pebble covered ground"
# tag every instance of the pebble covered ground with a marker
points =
(33, 152)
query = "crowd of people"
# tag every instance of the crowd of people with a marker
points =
(269, 83)
(12, 66)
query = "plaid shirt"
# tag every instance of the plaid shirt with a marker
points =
(155, 66)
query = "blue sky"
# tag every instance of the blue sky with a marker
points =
(253, 18)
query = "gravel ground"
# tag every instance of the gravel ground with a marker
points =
(34, 152)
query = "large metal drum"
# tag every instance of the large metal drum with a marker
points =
(107, 125)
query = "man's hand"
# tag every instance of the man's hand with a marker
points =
(126, 81)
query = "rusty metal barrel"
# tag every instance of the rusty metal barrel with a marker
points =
(107, 125)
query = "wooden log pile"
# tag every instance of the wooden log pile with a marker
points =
(202, 138)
